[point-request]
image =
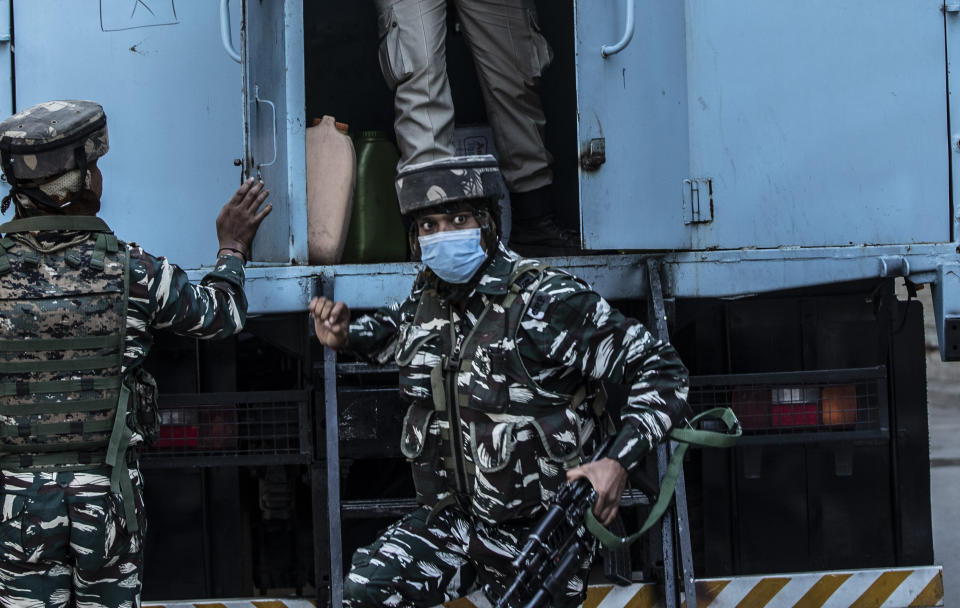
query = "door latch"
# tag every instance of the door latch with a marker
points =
(594, 155)
(697, 200)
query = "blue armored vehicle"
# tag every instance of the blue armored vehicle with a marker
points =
(772, 181)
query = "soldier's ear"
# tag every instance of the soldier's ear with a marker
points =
(413, 240)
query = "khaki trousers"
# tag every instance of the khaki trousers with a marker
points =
(510, 54)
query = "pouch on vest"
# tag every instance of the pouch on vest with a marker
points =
(521, 462)
(417, 349)
(422, 449)
(143, 393)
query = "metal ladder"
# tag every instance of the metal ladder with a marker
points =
(657, 319)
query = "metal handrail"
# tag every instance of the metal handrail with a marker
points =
(607, 50)
(275, 132)
(226, 32)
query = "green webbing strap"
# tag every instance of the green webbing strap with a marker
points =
(106, 243)
(72, 258)
(32, 344)
(116, 459)
(31, 257)
(710, 439)
(437, 389)
(99, 252)
(9, 389)
(120, 437)
(686, 437)
(57, 365)
(80, 223)
(447, 501)
(59, 407)
(518, 272)
(469, 467)
(35, 429)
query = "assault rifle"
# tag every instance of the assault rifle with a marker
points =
(556, 548)
(559, 544)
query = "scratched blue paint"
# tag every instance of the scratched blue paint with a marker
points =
(118, 15)
(172, 98)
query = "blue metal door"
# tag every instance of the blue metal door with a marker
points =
(172, 98)
(274, 129)
(752, 123)
(6, 71)
(633, 114)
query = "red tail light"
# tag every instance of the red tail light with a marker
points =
(795, 406)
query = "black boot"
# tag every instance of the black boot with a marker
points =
(534, 230)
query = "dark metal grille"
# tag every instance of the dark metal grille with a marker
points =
(268, 427)
(792, 403)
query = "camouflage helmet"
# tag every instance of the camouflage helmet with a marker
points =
(458, 178)
(50, 139)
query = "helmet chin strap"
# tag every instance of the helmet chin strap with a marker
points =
(80, 157)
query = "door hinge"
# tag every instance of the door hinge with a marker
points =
(951, 7)
(595, 154)
(697, 200)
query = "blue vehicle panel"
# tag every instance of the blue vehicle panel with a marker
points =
(634, 102)
(793, 124)
(172, 97)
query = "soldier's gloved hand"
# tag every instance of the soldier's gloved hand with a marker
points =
(608, 478)
(331, 321)
(239, 219)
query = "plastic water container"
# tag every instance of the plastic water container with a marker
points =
(331, 175)
(376, 229)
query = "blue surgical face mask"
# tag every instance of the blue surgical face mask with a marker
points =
(453, 255)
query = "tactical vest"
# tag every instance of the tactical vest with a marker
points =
(63, 401)
(516, 439)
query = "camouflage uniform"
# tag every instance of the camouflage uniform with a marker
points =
(500, 379)
(72, 523)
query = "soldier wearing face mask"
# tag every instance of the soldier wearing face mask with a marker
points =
(500, 357)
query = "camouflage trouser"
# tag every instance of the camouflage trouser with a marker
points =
(416, 564)
(64, 542)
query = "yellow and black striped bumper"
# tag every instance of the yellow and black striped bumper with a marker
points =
(880, 588)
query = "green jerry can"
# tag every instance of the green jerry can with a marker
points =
(376, 230)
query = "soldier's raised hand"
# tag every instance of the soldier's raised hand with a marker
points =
(240, 218)
(331, 321)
